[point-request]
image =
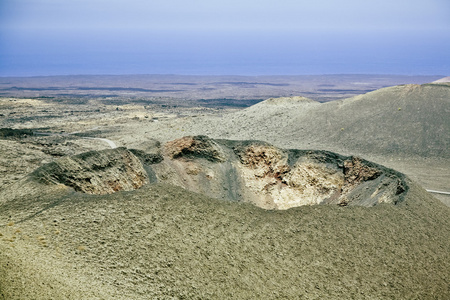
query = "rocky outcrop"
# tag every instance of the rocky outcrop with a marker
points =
(249, 171)
(274, 178)
(355, 172)
(96, 172)
(281, 179)
(194, 147)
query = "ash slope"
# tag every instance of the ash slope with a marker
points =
(162, 241)
(445, 79)
(396, 121)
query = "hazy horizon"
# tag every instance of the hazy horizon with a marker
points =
(43, 37)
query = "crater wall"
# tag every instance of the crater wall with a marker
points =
(248, 171)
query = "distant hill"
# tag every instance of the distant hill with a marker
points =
(400, 120)
(445, 79)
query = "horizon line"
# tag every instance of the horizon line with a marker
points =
(224, 75)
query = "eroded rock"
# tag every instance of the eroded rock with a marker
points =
(274, 178)
(356, 171)
(194, 147)
(96, 172)
(250, 171)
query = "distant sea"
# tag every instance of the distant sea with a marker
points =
(42, 65)
(289, 54)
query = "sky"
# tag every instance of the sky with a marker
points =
(207, 37)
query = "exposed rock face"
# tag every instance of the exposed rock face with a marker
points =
(314, 177)
(355, 172)
(311, 182)
(96, 172)
(274, 178)
(149, 152)
(194, 147)
(250, 171)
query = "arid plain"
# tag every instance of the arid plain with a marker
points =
(168, 217)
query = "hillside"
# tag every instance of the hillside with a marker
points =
(445, 79)
(400, 120)
(163, 242)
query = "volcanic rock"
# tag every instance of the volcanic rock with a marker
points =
(96, 172)
(247, 171)
(194, 147)
(274, 178)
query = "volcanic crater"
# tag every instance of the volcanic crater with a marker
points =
(248, 171)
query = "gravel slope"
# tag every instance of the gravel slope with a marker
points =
(162, 242)
(400, 120)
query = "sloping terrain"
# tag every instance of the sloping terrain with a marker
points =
(402, 127)
(63, 237)
(162, 242)
(445, 79)
(400, 120)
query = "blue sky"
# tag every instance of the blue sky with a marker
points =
(53, 37)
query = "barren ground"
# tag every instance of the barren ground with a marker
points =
(163, 242)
